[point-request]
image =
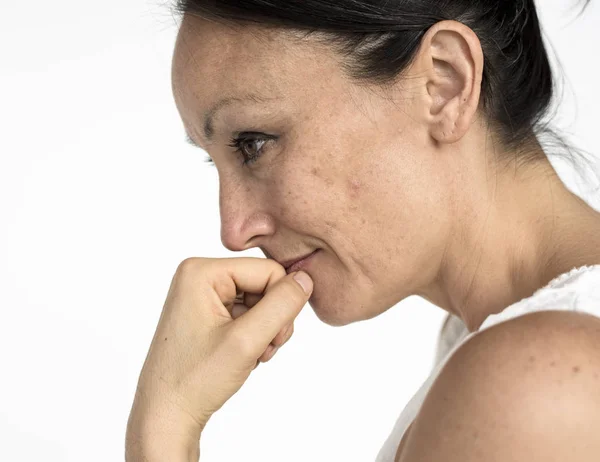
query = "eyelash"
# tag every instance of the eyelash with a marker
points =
(237, 143)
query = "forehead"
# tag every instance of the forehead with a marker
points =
(214, 60)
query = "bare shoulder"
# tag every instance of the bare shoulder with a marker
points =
(526, 389)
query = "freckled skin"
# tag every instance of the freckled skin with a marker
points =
(354, 187)
(526, 387)
(357, 171)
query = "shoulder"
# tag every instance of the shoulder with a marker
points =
(525, 389)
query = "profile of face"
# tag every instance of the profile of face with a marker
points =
(322, 162)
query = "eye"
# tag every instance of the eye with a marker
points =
(249, 145)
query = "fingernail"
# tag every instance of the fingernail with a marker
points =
(305, 281)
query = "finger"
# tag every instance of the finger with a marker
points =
(238, 310)
(268, 354)
(242, 303)
(252, 299)
(278, 308)
(283, 336)
(230, 304)
(231, 276)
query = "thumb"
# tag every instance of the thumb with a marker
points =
(279, 307)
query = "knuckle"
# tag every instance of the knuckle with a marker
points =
(289, 332)
(190, 265)
(283, 336)
(268, 354)
(279, 339)
(286, 337)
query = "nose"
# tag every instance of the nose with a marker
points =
(243, 216)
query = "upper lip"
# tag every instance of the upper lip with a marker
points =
(287, 263)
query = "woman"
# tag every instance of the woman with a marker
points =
(386, 149)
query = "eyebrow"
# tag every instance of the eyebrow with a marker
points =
(210, 115)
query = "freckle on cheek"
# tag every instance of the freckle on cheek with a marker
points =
(354, 188)
(316, 173)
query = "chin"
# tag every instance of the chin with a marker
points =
(335, 312)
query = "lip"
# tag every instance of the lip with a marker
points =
(295, 265)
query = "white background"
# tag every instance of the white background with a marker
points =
(100, 200)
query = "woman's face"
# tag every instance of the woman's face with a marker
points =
(342, 168)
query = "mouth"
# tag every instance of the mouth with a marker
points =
(299, 263)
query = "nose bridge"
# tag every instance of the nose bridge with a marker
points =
(237, 206)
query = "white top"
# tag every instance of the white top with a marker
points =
(575, 290)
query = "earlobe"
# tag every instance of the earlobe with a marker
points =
(455, 67)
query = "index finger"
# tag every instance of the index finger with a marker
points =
(230, 276)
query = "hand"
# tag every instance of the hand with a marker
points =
(207, 342)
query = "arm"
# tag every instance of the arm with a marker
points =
(158, 450)
(161, 432)
(523, 390)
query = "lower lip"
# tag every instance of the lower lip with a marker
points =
(301, 264)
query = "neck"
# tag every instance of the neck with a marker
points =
(519, 231)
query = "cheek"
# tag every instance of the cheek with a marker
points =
(323, 192)
(294, 195)
(354, 185)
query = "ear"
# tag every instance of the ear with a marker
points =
(451, 60)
